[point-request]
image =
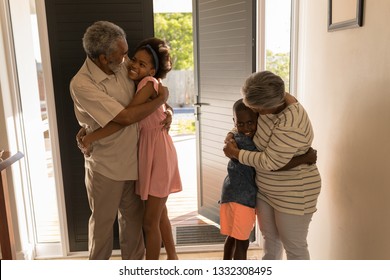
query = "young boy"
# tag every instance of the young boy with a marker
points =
(238, 199)
(239, 190)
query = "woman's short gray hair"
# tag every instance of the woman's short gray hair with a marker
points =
(101, 37)
(263, 90)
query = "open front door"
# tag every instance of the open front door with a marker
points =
(225, 57)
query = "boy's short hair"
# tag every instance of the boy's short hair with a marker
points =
(239, 106)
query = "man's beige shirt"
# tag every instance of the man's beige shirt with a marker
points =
(98, 98)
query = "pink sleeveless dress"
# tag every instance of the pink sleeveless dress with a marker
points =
(157, 159)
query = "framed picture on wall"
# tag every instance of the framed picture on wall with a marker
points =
(344, 14)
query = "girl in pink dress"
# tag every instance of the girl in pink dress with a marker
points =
(157, 159)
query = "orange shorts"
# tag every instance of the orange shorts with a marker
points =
(237, 220)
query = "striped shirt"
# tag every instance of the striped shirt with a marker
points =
(280, 137)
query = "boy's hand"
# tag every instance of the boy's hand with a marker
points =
(231, 150)
(229, 137)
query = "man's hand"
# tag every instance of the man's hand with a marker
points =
(166, 123)
(85, 149)
(163, 91)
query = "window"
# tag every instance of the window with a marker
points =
(278, 38)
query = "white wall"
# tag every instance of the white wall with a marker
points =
(344, 83)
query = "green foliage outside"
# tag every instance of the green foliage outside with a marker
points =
(186, 127)
(176, 30)
(279, 63)
(182, 126)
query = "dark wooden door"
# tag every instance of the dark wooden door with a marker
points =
(67, 21)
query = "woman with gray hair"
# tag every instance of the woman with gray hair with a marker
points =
(286, 200)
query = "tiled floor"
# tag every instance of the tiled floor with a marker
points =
(216, 255)
(253, 254)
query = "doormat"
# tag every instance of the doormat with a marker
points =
(205, 234)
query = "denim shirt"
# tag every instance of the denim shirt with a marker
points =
(239, 185)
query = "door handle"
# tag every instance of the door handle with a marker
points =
(200, 104)
(197, 106)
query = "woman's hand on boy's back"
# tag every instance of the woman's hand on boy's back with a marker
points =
(311, 156)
